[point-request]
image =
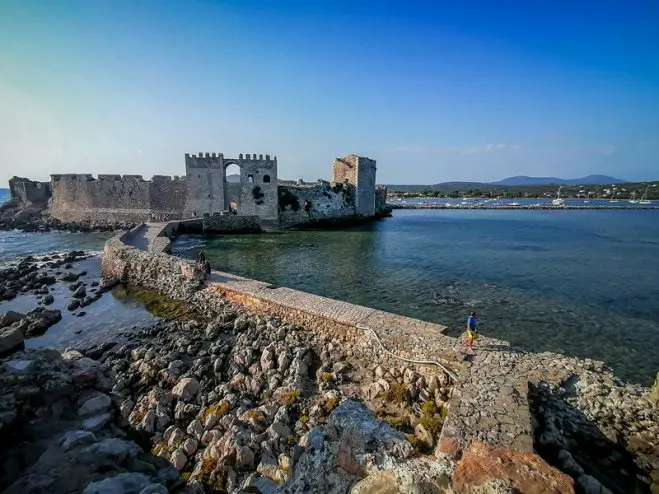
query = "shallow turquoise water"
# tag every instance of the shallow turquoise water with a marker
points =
(583, 283)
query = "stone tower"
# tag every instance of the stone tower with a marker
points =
(205, 184)
(360, 172)
(209, 191)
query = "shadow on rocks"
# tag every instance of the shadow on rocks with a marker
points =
(571, 442)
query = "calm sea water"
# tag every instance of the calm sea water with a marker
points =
(584, 283)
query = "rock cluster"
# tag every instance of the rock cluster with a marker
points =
(242, 400)
(58, 432)
(38, 275)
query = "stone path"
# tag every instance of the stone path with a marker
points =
(152, 237)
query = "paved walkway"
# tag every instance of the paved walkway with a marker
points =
(149, 237)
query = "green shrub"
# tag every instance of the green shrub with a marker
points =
(395, 394)
(432, 424)
(399, 423)
(429, 408)
(289, 397)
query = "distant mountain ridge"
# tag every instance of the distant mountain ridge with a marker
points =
(588, 180)
(519, 181)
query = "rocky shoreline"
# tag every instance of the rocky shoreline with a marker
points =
(224, 400)
(231, 400)
(34, 218)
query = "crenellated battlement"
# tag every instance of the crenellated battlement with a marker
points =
(217, 160)
(73, 177)
(88, 177)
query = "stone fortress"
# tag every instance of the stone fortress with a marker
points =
(252, 198)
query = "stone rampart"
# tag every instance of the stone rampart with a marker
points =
(324, 201)
(127, 198)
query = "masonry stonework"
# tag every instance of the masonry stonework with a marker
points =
(360, 172)
(209, 190)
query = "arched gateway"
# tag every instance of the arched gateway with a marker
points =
(212, 186)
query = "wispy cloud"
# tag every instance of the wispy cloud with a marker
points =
(478, 149)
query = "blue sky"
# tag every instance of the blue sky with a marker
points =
(434, 91)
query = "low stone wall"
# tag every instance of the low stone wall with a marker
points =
(229, 223)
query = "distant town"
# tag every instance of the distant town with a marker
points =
(622, 191)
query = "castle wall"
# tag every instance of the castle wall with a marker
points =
(325, 201)
(209, 192)
(205, 191)
(29, 192)
(259, 183)
(231, 223)
(167, 196)
(344, 170)
(365, 201)
(112, 198)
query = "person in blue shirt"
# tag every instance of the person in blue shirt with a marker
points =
(472, 330)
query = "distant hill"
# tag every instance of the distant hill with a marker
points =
(589, 180)
(447, 186)
(233, 179)
(519, 181)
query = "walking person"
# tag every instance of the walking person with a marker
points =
(472, 330)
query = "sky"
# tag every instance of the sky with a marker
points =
(434, 91)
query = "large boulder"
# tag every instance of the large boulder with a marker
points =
(10, 317)
(124, 483)
(11, 340)
(353, 444)
(37, 322)
(186, 388)
(483, 467)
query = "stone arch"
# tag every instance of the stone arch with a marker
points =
(231, 169)
(266, 179)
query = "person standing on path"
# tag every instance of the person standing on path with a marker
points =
(472, 330)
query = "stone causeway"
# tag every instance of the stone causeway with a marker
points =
(490, 398)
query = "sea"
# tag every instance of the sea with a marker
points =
(578, 282)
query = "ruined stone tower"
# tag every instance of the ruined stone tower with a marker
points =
(209, 191)
(360, 172)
